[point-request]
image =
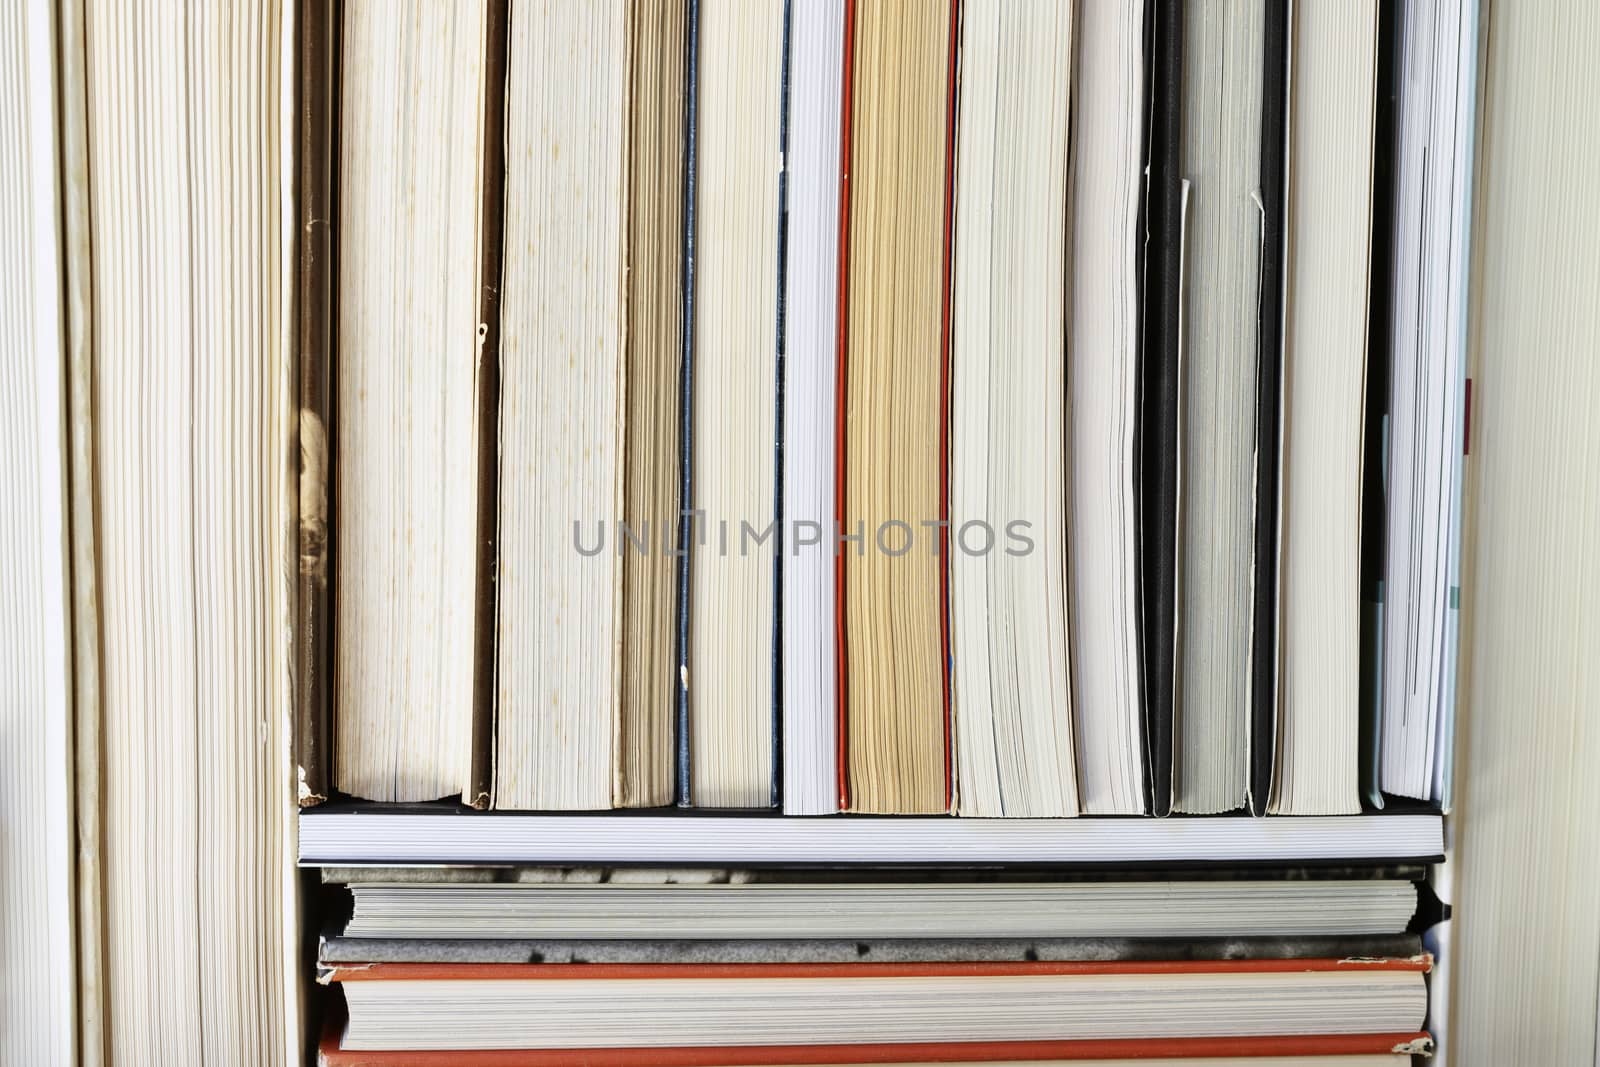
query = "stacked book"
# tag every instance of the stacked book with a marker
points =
(986, 408)
(165, 444)
(546, 967)
(989, 408)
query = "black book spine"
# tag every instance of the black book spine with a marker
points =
(1269, 380)
(1375, 427)
(1160, 395)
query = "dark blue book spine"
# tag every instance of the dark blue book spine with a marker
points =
(777, 451)
(686, 389)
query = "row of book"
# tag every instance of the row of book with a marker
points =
(705, 968)
(1003, 408)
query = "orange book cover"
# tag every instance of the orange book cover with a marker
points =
(1219, 1048)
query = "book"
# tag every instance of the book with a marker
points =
(1267, 484)
(582, 1006)
(1375, 405)
(1009, 663)
(1158, 447)
(40, 998)
(1525, 780)
(1223, 69)
(316, 104)
(343, 836)
(1333, 56)
(824, 909)
(1437, 90)
(652, 357)
(730, 672)
(340, 949)
(1319, 1051)
(404, 487)
(177, 257)
(810, 297)
(894, 754)
(562, 404)
(1103, 407)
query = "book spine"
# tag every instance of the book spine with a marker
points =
(1269, 377)
(491, 248)
(1158, 434)
(776, 798)
(951, 85)
(1220, 1050)
(846, 106)
(87, 721)
(1376, 424)
(603, 972)
(316, 106)
(691, 71)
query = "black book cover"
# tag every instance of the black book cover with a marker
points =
(1375, 425)
(1160, 394)
(1269, 397)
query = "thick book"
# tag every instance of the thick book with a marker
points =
(591, 336)
(729, 662)
(652, 356)
(402, 461)
(1220, 304)
(1009, 650)
(825, 909)
(1328, 210)
(1107, 192)
(1531, 588)
(562, 391)
(582, 1006)
(892, 506)
(178, 389)
(1427, 336)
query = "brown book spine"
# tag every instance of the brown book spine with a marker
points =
(316, 98)
(491, 245)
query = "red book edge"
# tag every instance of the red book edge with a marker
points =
(329, 1054)
(842, 324)
(846, 145)
(373, 972)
